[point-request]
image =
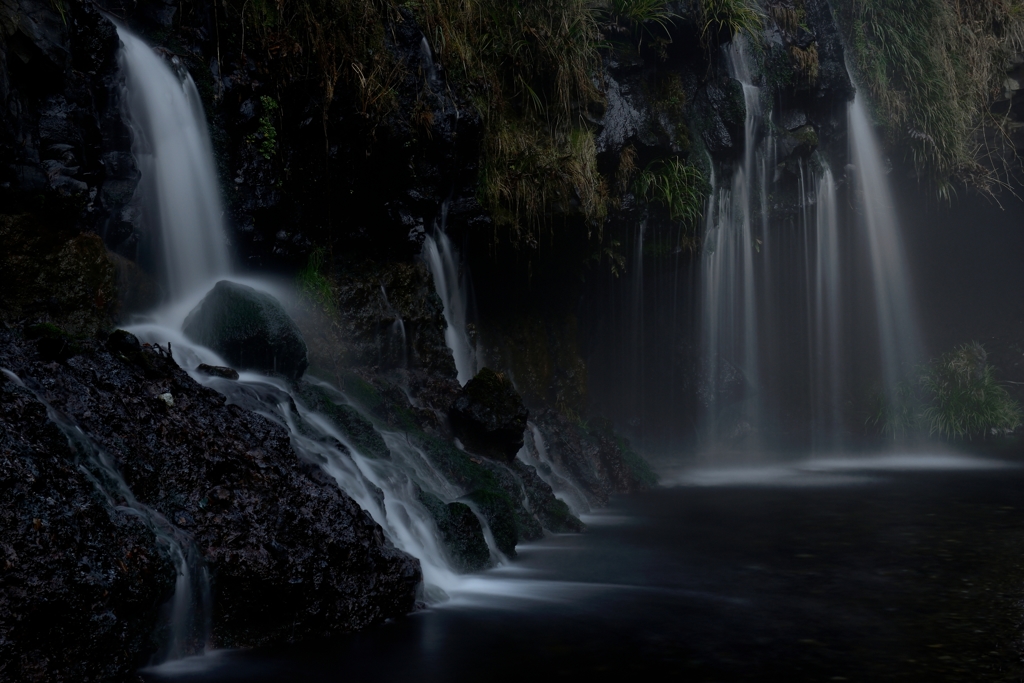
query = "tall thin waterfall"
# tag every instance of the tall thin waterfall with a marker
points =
(179, 187)
(728, 279)
(897, 329)
(827, 317)
(451, 287)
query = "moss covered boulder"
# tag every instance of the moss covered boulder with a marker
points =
(489, 416)
(249, 328)
(461, 533)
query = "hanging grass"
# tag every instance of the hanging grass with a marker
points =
(529, 67)
(931, 69)
(678, 187)
(731, 16)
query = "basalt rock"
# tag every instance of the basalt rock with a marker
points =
(290, 556)
(489, 416)
(81, 582)
(249, 328)
(461, 533)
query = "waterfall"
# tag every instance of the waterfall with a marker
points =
(179, 185)
(729, 304)
(535, 454)
(825, 398)
(897, 330)
(451, 286)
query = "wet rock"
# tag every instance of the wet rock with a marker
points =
(249, 328)
(217, 371)
(290, 556)
(552, 513)
(499, 511)
(598, 461)
(82, 582)
(461, 533)
(359, 430)
(489, 416)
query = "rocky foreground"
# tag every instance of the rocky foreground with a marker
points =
(289, 555)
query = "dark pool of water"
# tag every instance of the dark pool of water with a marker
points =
(764, 575)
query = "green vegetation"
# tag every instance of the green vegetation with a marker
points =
(966, 399)
(267, 131)
(955, 397)
(733, 16)
(678, 187)
(931, 68)
(314, 283)
(639, 18)
(529, 68)
(327, 42)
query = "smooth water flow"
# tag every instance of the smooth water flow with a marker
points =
(179, 186)
(897, 329)
(728, 278)
(827, 318)
(450, 284)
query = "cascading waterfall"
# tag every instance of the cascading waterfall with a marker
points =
(826, 391)
(179, 183)
(897, 329)
(388, 490)
(535, 453)
(451, 287)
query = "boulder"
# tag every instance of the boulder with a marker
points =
(249, 328)
(489, 416)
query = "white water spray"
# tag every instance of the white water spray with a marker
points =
(897, 330)
(451, 287)
(179, 186)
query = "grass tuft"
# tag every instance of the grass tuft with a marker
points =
(314, 284)
(731, 16)
(678, 187)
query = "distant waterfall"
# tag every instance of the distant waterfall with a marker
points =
(897, 328)
(451, 286)
(179, 183)
(827, 317)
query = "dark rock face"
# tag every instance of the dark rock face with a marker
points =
(347, 419)
(461, 533)
(249, 328)
(597, 460)
(290, 556)
(489, 416)
(82, 582)
(552, 513)
(64, 149)
(55, 276)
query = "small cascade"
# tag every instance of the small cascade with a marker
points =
(397, 343)
(452, 287)
(897, 329)
(187, 615)
(427, 55)
(535, 454)
(179, 185)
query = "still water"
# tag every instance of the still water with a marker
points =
(860, 569)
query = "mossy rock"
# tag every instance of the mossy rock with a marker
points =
(489, 416)
(349, 421)
(249, 328)
(461, 533)
(500, 512)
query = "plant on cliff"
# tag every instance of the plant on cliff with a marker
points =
(678, 187)
(931, 69)
(638, 19)
(731, 16)
(529, 68)
(314, 284)
(327, 42)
